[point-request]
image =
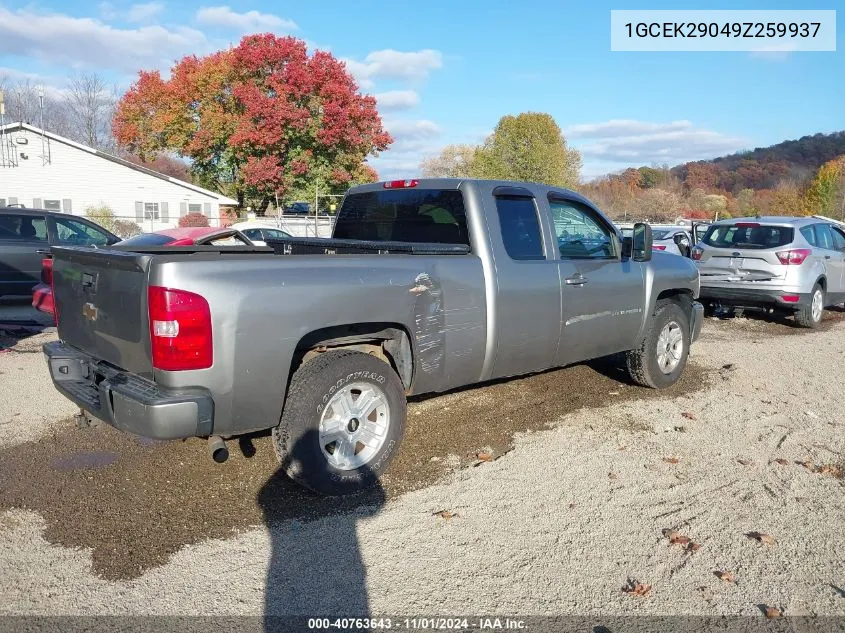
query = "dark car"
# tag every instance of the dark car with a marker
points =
(298, 208)
(26, 235)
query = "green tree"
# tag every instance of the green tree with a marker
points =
(826, 194)
(530, 147)
(649, 177)
(745, 202)
(453, 161)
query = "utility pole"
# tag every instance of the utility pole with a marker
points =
(44, 158)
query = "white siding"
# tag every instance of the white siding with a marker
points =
(77, 178)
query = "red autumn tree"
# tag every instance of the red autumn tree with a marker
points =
(256, 120)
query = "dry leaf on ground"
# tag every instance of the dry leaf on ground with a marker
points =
(782, 461)
(772, 612)
(689, 415)
(671, 460)
(445, 514)
(763, 538)
(675, 537)
(830, 469)
(745, 462)
(635, 588)
(692, 547)
(727, 576)
(484, 457)
(612, 476)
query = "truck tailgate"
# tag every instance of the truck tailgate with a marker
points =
(101, 304)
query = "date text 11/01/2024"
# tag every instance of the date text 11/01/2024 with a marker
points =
(417, 624)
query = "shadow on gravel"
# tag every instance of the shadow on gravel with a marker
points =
(778, 323)
(134, 511)
(322, 573)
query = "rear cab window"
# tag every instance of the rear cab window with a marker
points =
(404, 215)
(748, 235)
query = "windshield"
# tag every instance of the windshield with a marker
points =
(747, 235)
(146, 239)
(419, 215)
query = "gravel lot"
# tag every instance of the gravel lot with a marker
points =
(587, 473)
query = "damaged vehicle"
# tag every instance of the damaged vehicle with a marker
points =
(426, 286)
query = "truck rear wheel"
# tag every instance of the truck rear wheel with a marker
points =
(660, 358)
(342, 423)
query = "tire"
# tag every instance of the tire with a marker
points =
(321, 404)
(805, 317)
(643, 362)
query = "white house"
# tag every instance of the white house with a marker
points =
(43, 170)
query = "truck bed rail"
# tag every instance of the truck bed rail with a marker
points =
(332, 246)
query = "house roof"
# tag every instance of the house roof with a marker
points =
(11, 127)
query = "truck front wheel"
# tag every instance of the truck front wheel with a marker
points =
(660, 358)
(342, 423)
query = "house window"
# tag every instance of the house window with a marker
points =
(2, 202)
(195, 207)
(53, 205)
(151, 210)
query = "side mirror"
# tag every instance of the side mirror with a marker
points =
(641, 242)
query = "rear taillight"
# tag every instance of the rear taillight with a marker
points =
(791, 298)
(47, 271)
(794, 257)
(658, 247)
(180, 329)
(401, 184)
(696, 252)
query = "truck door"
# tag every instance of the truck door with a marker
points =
(601, 294)
(527, 308)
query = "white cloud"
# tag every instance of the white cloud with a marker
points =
(616, 144)
(144, 12)
(622, 127)
(397, 99)
(86, 42)
(413, 140)
(396, 65)
(249, 22)
(107, 10)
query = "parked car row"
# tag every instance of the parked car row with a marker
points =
(792, 265)
(426, 286)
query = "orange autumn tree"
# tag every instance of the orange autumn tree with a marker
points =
(257, 120)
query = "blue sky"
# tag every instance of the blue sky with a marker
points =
(444, 72)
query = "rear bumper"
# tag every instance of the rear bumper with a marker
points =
(696, 318)
(127, 401)
(754, 297)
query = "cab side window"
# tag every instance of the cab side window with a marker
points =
(580, 234)
(23, 228)
(824, 236)
(75, 233)
(838, 239)
(520, 227)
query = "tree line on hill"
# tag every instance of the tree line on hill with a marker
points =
(800, 177)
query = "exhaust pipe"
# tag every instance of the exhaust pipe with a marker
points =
(217, 448)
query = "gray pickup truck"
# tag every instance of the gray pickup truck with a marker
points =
(426, 285)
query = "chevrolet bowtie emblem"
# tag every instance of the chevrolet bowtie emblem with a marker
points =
(89, 311)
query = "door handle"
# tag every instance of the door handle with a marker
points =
(827, 256)
(577, 280)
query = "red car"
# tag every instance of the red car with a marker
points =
(42, 294)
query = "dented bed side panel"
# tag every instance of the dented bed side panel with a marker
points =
(263, 306)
